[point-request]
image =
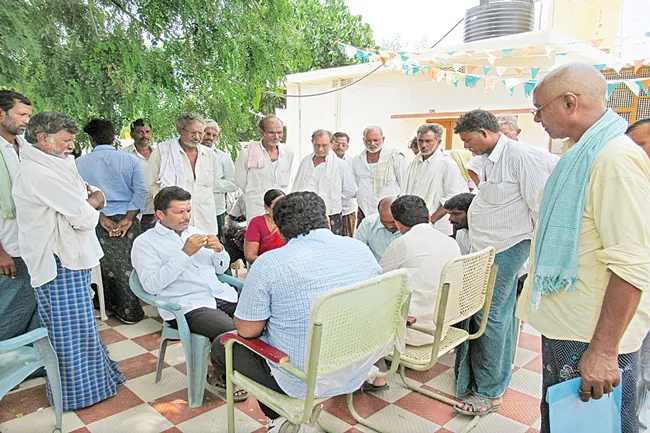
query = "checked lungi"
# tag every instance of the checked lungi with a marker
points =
(88, 375)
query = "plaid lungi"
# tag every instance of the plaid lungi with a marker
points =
(88, 375)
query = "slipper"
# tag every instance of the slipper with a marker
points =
(239, 394)
(370, 387)
(477, 403)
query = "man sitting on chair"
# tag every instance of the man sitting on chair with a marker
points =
(275, 300)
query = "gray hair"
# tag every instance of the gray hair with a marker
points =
(209, 123)
(373, 128)
(48, 123)
(510, 119)
(319, 132)
(433, 127)
(188, 118)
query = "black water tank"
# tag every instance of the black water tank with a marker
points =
(493, 18)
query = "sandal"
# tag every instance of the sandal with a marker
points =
(239, 394)
(477, 403)
(371, 387)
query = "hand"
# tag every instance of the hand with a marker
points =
(214, 244)
(7, 265)
(96, 199)
(599, 371)
(123, 226)
(194, 243)
(108, 224)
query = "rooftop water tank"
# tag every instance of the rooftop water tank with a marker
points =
(494, 18)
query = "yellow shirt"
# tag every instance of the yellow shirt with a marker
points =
(614, 237)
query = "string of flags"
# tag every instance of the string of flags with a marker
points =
(443, 67)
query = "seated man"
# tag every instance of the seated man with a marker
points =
(179, 264)
(423, 249)
(275, 301)
(457, 207)
(378, 230)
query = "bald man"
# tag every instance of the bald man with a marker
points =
(590, 257)
(379, 229)
(379, 172)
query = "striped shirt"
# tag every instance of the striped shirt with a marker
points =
(505, 209)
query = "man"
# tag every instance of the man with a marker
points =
(413, 145)
(340, 144)
(142, 149)
(378, 172)
(434, 176)
(591, 253)
(509, 126)
(502, 215)
(121, 178)
(224, 179)
(57, 214)
(328, 176)
(457, 208)
(379, 229)
(276, 298)
(423, 249)
(183, 162)
(17, 301)
(263, 165)
(639, 132)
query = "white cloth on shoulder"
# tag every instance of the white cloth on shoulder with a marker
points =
(172, 171)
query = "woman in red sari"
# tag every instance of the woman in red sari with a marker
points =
(262, 234)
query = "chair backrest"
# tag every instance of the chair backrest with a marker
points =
(468, 278)
(359, 320)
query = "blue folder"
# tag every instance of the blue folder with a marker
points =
(569, 414)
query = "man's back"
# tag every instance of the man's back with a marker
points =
(282, 284)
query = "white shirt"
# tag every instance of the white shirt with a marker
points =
(436, 180)
(224, 180)
(254, 182)
(131, 149)
(349, 205)
(504, 211)
(9, 227)
(165, 270)
(462, 237)
(426, 250)
(312, 180)
(363, 174)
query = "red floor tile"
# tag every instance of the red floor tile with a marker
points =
(364, 403)
(150, 341)
(113, 321)
(251, 408)
(520, 407)
(427, 408)
(174, 406)
(81, 430)
(444, 430)
(530, 430)
(23, 403)
(425, 376)
(182, 368)
(124, 400)
(172, 430)
(260, 430)
(110, 336)
(353, 430)
(530, 342)
(535, 365)
(139, 365)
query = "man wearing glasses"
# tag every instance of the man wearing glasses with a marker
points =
(183, 162)
(263, 165)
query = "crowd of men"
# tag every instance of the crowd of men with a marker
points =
(580, 222)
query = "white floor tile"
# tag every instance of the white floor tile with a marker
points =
(448, 359)
(148, 390)
(537, 424)
(140, 419)
(29, 383)
(528, 382)
(397, 420)
(150, 311)
(174, 354)
(102, 326)
(524, 356)
(530, 330)
(124, 349)
(491, 423)
(331, 422)
(216, 421)
(396, 390)
(143, 327)
(445, 382)
(41, 421)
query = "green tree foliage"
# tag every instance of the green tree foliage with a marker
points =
(124, 59)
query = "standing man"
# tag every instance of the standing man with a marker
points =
(457, 208)
(434, 177)
(142, 149)
(18, 312)
(263, 165)
(57, 214)
(183, 162)
(379, 230)
(502, 215)
(224, 179)
(591, 253)
(378, 172)
(340, 144)
(121, 178)
(328, 176)
(509, 126)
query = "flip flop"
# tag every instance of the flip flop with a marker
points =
(477, 403)
(371, 387)
(239, 394)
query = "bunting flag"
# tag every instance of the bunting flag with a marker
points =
(457, 66)
(487, 69)
(528, 87)
(600, 67)
(633, 86)
(512, 91)
(470, 68)
(549, 50)
(645, 83)
(511, 82)
(520, 70)
(491, 59)
(469, 53)
(596, 42)
(611, 87)
(471, 80)
(440, 76)
(637, 65)
(455, 77)
(525, 52)
(501, 70)
(507, 51)
(533, 72)
(451, 53)
(490, 82)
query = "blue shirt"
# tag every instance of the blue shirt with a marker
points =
(119, 175)
(281, 283)
(373, 233)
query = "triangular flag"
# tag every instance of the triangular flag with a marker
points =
(471, 80)
(633, 86)
(611, 86)
(528, 87)
(451, 53)
(600, 67)
(362, 56)
(455, 77)
(470, 68)
(443, 63)
(487, 69)
(507, 50)
(596, 42)
(469, 53)
(560, 54)
(501, 70)
(646, 84)
(512, 91)
(490, 82)
(404, 57)
(432, 73)
(511, 82)
(549, 50)
(617, 66)
(525, 52)
(440, 75)
(457, 66)
(533, 72)
(520, 70)
(638, 64)
(349, 51)
(491, 59)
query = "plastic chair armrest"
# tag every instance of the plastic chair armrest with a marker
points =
(230, 280)
(165, 305)
(258, 346)
(410, 320)
(23, 340)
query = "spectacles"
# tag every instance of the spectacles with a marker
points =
(538, 111)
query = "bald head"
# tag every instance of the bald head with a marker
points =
(578, 78)
(385, 214)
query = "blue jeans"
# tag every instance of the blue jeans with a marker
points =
(18, 313)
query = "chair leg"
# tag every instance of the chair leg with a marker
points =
(52, 370)
(196, 376)
(161, 358)
(361, 420)
(514, 352)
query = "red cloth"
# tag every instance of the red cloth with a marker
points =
(258, 231)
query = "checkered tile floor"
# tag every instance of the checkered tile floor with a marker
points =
(142, 406)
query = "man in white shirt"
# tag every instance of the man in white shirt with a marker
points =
(17, 301)
(509, 126)
(379, 172)
(434, 176)
(457, 208)
(502, 215)
(224, 179)
(183, 162)
(263, 165)
(328, 176)
(379, 229)
(340, 144)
